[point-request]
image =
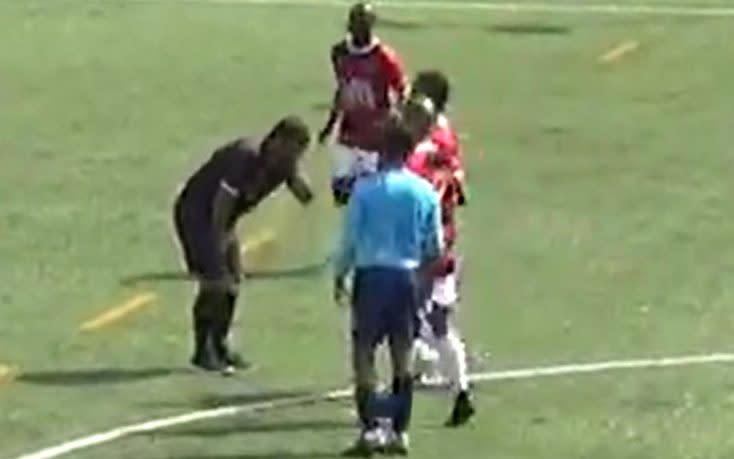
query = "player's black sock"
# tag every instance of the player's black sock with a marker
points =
(363, 397)
(221, 323)
(229, 312)
(403, 403)
(202, 325)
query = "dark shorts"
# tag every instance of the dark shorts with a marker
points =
(384, 305)
(341, 189)
(198, 242)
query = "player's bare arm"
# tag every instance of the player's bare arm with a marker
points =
(222, 210)
(300, 188)
(331, 121)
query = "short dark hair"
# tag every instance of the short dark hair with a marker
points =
(435, 85)
(292, 127)
(363, 11)
(398, 141)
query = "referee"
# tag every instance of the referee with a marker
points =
(391, 233)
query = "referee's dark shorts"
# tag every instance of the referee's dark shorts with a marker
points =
(385, 305)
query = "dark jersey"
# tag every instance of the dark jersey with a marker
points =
(239, 169)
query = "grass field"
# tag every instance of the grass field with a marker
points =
(601, 226)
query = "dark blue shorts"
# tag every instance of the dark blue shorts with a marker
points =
(384, 305)
(199, 244)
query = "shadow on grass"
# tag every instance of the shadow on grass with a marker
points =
(530, 28)
(269, 455)
(245, 426)
(248, 398)
(80, 377)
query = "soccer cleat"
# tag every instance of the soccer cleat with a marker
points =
(369, 442)
(206, 362)
(231, 361)
(463, 410)
(398, 444)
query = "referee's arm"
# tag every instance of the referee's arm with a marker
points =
(432, 231)
(346, 253)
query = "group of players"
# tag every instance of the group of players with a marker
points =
(372, 95)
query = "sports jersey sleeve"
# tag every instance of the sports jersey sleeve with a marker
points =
(233, 165)
(432, 243)
(394, 71)
(337, 51)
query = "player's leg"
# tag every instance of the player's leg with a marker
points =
(366, 333)
(426, 365)
(342, 179)
(403, 298)
(225, 316)
(451, 348)
(206, 300)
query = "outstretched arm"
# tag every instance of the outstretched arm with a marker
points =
(300, 188)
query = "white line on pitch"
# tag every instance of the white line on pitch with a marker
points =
(539, 7)
(227, 411)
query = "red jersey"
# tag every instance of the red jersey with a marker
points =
(438, 166)
(446, 141)
(366, 78)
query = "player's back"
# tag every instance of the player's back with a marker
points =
(395, 209)
(234, 158)
(444, 137)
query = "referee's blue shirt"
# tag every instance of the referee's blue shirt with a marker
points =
(393, 220)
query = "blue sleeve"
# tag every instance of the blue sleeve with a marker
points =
(432, 229)
(345, 256)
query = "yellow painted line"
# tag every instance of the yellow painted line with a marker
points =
(7, 374)
(257, 241)
(118, 312)
(619, 51)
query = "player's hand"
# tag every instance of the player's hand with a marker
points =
(324, 134)
(340, 291)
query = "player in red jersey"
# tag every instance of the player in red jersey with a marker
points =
(436, 158)
(435, 85)
(370, 80)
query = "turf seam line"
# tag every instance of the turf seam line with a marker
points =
(509, 7)
(619, 51)
(256, 242)
(119, 312)
(339, 394)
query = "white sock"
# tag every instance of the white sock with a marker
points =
(452, 357)
(424, 351)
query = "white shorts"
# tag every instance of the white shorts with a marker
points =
(445, 290)
(352, 162)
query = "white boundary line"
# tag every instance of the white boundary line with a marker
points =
(228, 411)
(490, 6)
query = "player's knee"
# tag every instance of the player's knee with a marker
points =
(341, 189)
(438, 320)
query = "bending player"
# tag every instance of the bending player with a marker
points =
(435, 158)
(235, 179)
(370, 80)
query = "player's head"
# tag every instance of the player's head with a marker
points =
(418, 116)
(435, 85)
(360, 22)
(287, 141)
(399, 143)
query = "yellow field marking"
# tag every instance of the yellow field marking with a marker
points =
(118, 312)
(619, 51)
(256, 242)
(7, 374)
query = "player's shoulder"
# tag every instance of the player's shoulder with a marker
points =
(339, 49)
(386, 51)
(418, 184)
(238, 149)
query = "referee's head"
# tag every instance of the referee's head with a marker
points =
(398, 143)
